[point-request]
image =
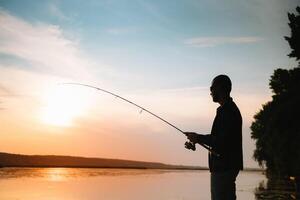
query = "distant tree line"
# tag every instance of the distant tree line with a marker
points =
(276, 127)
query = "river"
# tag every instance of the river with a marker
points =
(117, 184)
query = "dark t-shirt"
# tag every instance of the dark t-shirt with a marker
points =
(226, 139)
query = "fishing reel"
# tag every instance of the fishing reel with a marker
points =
(190, 145)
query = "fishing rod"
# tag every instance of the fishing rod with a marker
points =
(188, 144)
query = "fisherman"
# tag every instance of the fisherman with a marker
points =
(225, 139)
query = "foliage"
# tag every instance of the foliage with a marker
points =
(294, 40)
(276, 126)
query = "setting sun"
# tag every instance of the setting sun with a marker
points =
(63, 104)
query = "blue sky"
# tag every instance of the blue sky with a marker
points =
(157, 52)
(150, 37)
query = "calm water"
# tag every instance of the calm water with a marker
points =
(116, 184)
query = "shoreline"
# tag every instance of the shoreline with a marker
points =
(120, 167)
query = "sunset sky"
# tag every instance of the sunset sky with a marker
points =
(160, 54)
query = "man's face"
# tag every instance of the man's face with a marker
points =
(215, 91)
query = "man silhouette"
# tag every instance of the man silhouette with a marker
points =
(225, 139)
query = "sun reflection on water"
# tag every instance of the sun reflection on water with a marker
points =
(56, 174)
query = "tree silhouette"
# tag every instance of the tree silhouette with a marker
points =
(294, 40)
(276, 126)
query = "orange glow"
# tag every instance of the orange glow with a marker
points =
(56, 174)
(64, 104)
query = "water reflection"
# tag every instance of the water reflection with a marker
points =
(276, 188)
(115, 184)
(59, 174)
(94, 184)
(56, 174)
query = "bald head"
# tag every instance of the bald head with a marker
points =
(220, 88)
(224, 82)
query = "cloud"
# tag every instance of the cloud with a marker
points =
(45, 57)
(44, 46)
(4, 91)
(216, 41)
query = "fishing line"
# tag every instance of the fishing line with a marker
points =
(148, 111)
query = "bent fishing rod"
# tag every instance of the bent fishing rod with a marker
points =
(188, 145)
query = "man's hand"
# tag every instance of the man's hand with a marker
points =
(193, 137)
(189, 145)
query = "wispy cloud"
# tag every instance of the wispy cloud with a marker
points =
(46, 57)
(43, 45)
(216, 41)
(8, 92)
(4, 90)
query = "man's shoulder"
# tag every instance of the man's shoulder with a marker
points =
(229, 105)
(232, 109)
(233, 105)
